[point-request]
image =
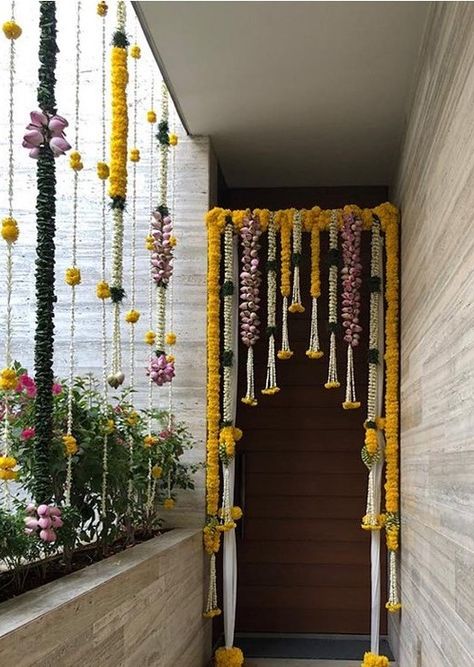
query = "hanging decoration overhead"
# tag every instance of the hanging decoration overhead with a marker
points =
(291, 225)
(118, 183)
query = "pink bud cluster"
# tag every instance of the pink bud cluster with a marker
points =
(160, 369)
(45, 130)
(250, 280)
(351, 278)
(44, 518)
(162, 253)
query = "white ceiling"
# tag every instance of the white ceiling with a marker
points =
(292, 93)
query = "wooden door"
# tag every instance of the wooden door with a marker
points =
(303, 558)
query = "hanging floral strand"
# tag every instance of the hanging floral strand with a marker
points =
(118, 182)
(45, 141)
(296, 305)
(73, 273)
(161, 366)
(250, 279)
(351, 282)
(271, 386)
(285, 224)
(314, 351)
(10, 233)
(370, 451)
(392, 518)
(333, 258)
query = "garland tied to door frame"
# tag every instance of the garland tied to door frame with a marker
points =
(219, 221)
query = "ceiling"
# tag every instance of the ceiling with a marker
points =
(291, 93)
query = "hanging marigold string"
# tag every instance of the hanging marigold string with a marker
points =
(271, 386)
(296, 306)
(118, 182)
(250, 279)
(351, 282)
(333, 259)
(314, 351)
(392, 518)
(370, 451)
(284, 221)
(10, 233)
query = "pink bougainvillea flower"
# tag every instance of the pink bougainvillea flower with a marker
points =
(26, 384)
(28, 433)
(57, 388)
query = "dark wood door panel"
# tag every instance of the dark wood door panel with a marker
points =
(319, 507)
(324, 441)
(303, 598)
(299, 551)
(304, 462)
(294, 619)
(310, 575)
(296, 418)
(311, 530)
(340, 484)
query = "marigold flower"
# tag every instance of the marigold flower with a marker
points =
(135, 52)
(75, 161)
(151, 116)
(156, 473)
(102, 290)
(110, 426)
(10, 231)
(70, 444)
(102, 8)
(8, 379)
(173, 241)
(170, 338)
(7, 462)
(149, 242)
(11, 29)
(8, 474)
(134, 155)
(150, 337)
(132, 316)
(168, 503)
(150, 440)
(173, 139)
(133, 418)
(73, 276)
(103, 171)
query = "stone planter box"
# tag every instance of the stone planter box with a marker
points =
(140, 607)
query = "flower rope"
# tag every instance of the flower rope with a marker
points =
(351, 281)
(103, 288)
(171, 336)
(392, 519)
(314, 351)
(10, 233)
(118, 182)
(370, 451)
(285, 224)
(250, 279)
(271, 386)
(333, 259)
(296, 305)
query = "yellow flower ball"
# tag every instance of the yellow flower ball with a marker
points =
(150, 337)
(110, 426)
(102, 8)
(8, 379)
(170, 338)
(150, 440)
(8, 474)
(170, 358)
(73, 276)
(102, 290)
(173, 139)
(229, 657)
(151, 116)
(103, 171)
(135, 51)
(134, 155)
(236, 513)
(132, 316)
(75, 161)
(156, 473)
(173, 241)
(133, 418)
(284, 354)
(10, 231)
(149, 242)
(11, 29)
(7, 462)
(168, 504)
(70, 444)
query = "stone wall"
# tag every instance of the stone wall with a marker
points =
(435, 190)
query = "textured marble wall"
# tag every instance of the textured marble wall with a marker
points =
(141, 607)
(435, 189)
(192, 188)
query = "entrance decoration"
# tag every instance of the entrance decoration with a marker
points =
(222, 436)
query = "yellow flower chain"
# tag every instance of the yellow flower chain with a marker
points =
(118, 138)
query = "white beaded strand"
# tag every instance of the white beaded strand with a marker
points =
(333, 382)
(271, 378)
(296, 305)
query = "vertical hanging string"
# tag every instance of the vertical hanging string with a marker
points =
(10, 233)
(171, 337)
(103, 288)
(371, 450)
(296, 305)
(333, 258)
(73, 274)
(314, 351)
(286, 223)
(271, 386)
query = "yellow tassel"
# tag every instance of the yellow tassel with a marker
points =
(229, 657)
(314, 354)
(351, 405)
(374, 660)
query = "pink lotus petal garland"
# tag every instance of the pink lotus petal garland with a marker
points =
(351, 282)
(250, 280)
(46, 130)
(43, 520)
(162, 253)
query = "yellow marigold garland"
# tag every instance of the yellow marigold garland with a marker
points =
(284, 220)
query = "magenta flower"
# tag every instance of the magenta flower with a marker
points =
(28, 433)
(57, 388)
(45, 130)
(27, 385)
(160, 369)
